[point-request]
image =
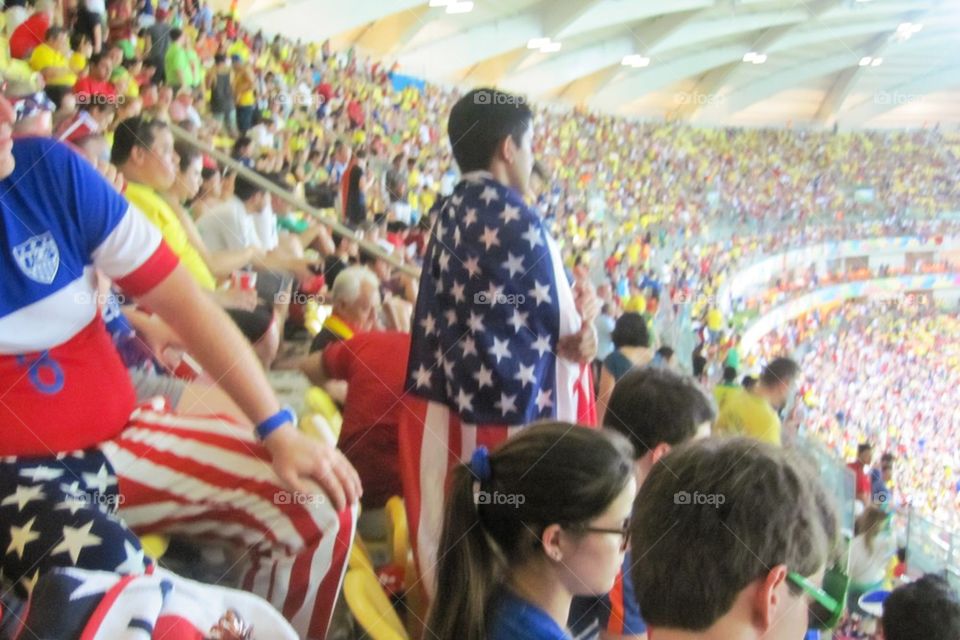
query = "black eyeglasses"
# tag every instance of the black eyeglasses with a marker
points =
(624, 531)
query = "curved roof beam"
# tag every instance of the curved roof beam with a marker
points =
(946, 77)
(317, 20)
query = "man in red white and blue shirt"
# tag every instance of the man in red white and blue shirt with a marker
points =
(76, 455)
(500, 338)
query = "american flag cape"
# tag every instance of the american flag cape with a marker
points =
(72, 603)
(493, 301)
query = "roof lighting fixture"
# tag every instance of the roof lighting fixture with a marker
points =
(635, 60)
(460, 7)
(544, 45)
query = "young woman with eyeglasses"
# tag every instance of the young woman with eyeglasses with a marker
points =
(527, 527)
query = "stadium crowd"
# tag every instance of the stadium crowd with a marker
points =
(216, 266)
(877, 373)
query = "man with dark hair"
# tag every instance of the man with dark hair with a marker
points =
(663, 357)
(234, 225)
(50, 59)
(500, 338)
(355, 183)
(97, 81)
(863, 486)
(726, 387)
(144, 151)
(755, 412)
(927, 609)
(176, 64)
(729, 536)
(700, 368)
(220, 84)
(656, 409)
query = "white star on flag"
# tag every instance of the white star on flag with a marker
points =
(518, 320)
(469, 346)
(20, 537)
(510, 213)
(101, 481)
(133, 563)
(484, 377)
(506, 403)
(73, 503)
(41, 474)
(540, 292)
(429, 324)
(470, 218)
(475, 322)
(489, 195)
(75, 539)
(490, 238)
(23, 495)
(465, 400)
(30, 583)
(444, 261)
(543, 399)
(472, 265)
(541, 344)
(494, 294)
(513, 264)
(525, 375)
(501, 349)
(457, 291)
(532, 235)
(423, 376)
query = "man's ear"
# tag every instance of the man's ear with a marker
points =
(768, 600)
(138, 155)
(658, 452)
(507, 150)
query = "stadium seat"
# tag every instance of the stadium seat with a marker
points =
(398, 532)
(321, 418)
(155, 545)
(370, 606)
(359, 557)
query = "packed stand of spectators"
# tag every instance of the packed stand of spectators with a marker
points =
(878, 374)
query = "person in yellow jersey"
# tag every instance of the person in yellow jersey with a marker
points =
(727, 387)
(754, 412)
(50, 58)
(143, 150)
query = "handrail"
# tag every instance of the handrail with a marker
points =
(287, 196)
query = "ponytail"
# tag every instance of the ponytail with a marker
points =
(468, 568)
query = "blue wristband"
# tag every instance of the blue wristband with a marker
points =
(276, 421)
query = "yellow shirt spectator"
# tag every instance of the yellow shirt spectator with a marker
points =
(747, 414)
(44, 57)
(714, 319)
(78, 62)
(162, 216)
(722, 392)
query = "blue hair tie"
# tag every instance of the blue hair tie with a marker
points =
(480, 464)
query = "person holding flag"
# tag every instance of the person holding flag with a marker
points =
(500, 338)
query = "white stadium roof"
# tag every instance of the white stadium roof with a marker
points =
(874, 63)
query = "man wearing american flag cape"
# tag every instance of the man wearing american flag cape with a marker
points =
(500, 338)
